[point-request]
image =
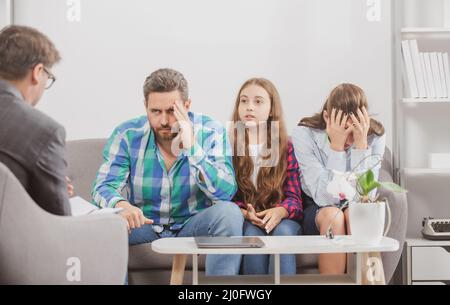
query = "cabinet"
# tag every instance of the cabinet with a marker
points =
(426, 262)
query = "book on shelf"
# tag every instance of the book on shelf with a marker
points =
(442, 74)
(425, 74)
(410, 80)
(447, 72)
(429, 74)
(436, 73)
(414, 49)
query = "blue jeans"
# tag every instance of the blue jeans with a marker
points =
(263, 264)
(221, 219)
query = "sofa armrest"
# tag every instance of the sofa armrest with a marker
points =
(100, 245)
(399, 212)
(37, 247)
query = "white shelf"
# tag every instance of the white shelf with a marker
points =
(422, 242)
(426, 171)
(418, 30)
(426, 100)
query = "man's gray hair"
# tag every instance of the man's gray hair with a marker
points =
(166, 80)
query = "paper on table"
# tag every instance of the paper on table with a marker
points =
(79, 207)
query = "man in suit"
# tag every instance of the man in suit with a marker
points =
(31, 143)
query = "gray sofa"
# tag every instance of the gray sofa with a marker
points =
(146, 267)
(40, 248)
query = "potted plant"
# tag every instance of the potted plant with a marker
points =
(367, 215)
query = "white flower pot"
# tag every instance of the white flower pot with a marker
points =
(367, 222)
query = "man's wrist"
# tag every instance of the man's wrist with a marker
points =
(191, 143)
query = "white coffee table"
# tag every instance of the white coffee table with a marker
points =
(364, 264)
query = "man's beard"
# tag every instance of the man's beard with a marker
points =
(165, 136)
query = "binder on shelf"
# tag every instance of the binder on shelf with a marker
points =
(447, 71)
(425, 76)
(414, 49)
(410, 79)
(436, 74)
(442, 74)
(429, 74)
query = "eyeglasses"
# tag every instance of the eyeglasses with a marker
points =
(51, 78)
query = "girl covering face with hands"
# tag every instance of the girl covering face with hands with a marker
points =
(339, 138)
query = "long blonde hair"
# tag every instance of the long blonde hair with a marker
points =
(270, 180)
(345, 97)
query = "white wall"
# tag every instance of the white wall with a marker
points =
(305, 47)
(5, 13)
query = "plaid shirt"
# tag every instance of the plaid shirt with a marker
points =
(197, 178)
(291, 188)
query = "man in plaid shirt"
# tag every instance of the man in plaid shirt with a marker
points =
(177, 168)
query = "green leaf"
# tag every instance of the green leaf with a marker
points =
(367, 183)
(393, 187)
(372, 186)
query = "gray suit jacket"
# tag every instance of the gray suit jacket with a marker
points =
(32, 146)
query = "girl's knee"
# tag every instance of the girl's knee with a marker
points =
(252, 230)
(287, 227)
(329, 215)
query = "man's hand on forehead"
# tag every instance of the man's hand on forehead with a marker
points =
(181, 114)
